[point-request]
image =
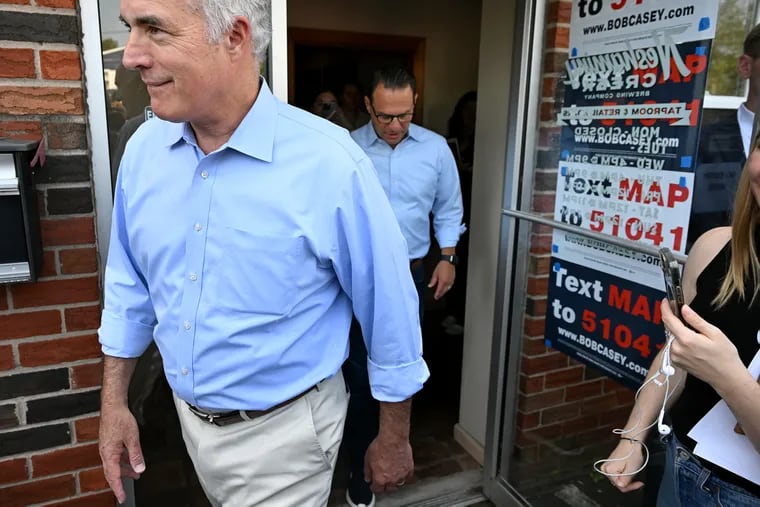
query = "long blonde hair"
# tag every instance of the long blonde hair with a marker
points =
(744, 266)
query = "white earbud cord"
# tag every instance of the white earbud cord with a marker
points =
(667, 371)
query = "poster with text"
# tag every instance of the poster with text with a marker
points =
(604, 321)
(630, 118)
(606, 26)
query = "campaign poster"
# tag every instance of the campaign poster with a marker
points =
(630, 116)
(607, 26)
(645, 206)
(605, 321)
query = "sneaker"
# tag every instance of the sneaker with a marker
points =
(358, 494)
(351, 503)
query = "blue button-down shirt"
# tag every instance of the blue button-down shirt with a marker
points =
(419, 177)
(245, 264)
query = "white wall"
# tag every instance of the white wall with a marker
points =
(497, 30)
(451, 29)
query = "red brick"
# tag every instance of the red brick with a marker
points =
(17, 63)
(539, 266)
(6, 358)
(18, 2)
(585, 390)
(60, 65)
(29, 130)
(531, 385)
(60, 4)
(541, 401)
(61, 350)
(559, 12)
(105, 499)
(527, 421)
(538, 286)
(38, 491)
(580, 424)
(534, 347)
(92, 480)
(56, 292)
(78, 261)
(542, 364)
(63, 460)
(48, 264)
(87, 429)
(561, 413)
(83, 318)
(70, 231)
(554, 60)
(87, 375)
(3, 297)
(558, 37)
(600, 405)
(30, 324)
(563, 378)
(534, 326)
(13, 470)
(19, 100)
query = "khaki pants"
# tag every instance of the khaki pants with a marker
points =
(284, 458)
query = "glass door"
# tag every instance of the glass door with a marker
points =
(552, 411)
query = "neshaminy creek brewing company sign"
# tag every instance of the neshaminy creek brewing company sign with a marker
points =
(633, 90)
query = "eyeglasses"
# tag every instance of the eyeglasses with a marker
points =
(387, 119)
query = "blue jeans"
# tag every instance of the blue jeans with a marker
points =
(363, 410)
(686, 483)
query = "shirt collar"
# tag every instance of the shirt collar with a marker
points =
(371, 137)
(253, 137)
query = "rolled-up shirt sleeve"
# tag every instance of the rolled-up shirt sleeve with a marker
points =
(447, 207)
(128, 319)
(372, 263)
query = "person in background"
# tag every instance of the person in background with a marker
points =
(724, 147)
(419, 175)
(326, 105)
(241, 244)
(353, 107)
(721, 284)
(461, 135)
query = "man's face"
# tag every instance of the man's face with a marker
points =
(185, 74)
(391, 102)
(749, 68)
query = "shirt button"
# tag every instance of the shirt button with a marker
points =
(204, 174)
(193, 277)
(184, 371)
(186, 325)
(198, 227)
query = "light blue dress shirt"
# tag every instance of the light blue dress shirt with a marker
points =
(245, 265)
(419, 177)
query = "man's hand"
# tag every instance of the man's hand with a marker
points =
(120, 448)
(442, 279)
(388, 464)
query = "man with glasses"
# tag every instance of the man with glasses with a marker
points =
(419, 175)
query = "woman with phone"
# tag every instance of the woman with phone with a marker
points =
(711, 349)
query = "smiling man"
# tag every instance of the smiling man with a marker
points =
(419, 175)
(241, 245)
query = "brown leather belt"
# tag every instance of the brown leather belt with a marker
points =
(415, 263)
(236, 416)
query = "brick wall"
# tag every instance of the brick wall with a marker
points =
(563, 405)
(50, 363)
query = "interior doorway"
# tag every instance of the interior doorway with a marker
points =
(322, 60)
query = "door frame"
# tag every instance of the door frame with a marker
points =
(514, 242)
(359, 40)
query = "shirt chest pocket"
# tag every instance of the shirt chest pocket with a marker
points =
(259, 273)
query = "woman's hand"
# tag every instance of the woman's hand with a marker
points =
(626, 458)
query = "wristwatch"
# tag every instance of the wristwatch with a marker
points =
(453, 259)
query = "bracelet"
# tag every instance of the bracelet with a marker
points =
(630, 439)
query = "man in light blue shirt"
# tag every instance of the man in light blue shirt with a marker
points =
(419, 175)
(245, 234)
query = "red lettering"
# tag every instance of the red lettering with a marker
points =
(620, 299)
(676, 194)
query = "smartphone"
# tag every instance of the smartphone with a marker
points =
(671, 271)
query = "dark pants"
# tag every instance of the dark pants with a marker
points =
(363, 410)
